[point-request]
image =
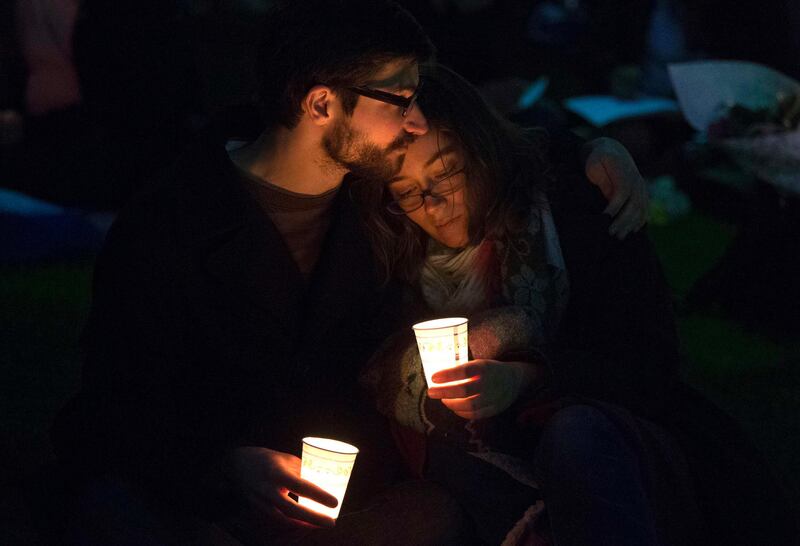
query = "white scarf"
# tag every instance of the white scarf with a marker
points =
(450, 281)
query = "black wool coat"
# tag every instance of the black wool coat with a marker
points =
(203, 336)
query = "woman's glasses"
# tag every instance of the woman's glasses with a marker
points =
(443, 187)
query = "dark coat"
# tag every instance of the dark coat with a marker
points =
(618, 344)
(203, 335)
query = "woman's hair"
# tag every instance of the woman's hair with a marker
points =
(504, 166)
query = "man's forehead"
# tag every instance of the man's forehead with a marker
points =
(398, 74)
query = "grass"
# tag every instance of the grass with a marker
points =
(42, 310)
(754, 376)
(689, 247)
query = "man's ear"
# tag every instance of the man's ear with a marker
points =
(318, 104)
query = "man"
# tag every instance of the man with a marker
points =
(234, 302)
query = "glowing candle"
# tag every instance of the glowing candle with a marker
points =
(442, 344)
(328, 464)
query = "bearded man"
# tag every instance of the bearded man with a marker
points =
(234, 301)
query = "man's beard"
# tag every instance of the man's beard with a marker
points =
(351, 150)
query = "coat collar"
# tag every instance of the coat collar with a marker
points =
(240, 247)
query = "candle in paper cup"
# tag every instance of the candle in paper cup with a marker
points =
(328, 464)
(442, 344)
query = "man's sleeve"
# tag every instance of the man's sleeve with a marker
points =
(618, 340)
(145, 409)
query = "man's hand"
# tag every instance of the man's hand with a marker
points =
(611, 168)
(266, 478)
(484, 388)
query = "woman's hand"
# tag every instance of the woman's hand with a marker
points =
(483, 388)
(611, 168)
(266, 477)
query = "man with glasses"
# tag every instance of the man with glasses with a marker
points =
(234, 302)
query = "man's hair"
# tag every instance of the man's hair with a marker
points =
(338, 43)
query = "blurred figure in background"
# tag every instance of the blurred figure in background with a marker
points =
(11, 85)
(45, 35)
(112, 90)
(39, 163)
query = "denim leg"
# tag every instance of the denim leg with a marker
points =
(416, 513)
(591, 482)
(111, 511)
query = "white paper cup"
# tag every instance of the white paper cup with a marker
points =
(442, 344)
(328, 464)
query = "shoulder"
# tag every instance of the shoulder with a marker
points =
(197, 195)
(577, 207)
(562, 153)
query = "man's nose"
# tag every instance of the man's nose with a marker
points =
(415, 121)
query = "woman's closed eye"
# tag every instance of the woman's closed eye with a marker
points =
(405, 193)
(443, 183)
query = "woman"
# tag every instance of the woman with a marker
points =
(575, 370)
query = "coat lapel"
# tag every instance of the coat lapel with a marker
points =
(239, 246)
(254, 262)
(342, 286)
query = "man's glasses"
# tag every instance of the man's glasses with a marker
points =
(405, 103)
(441, 188)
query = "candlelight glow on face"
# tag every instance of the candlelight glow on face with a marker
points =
(328, 464)
(443, 343)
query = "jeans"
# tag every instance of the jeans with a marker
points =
(113, 512)
(591, 483)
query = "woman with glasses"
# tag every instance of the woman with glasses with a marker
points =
(572, 401)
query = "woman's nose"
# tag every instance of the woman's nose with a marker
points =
(433, 202)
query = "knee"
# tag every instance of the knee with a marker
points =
(418, 512)
(575, 440)
(442, 520)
